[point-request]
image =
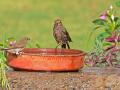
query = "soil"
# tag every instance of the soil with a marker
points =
(85, 79)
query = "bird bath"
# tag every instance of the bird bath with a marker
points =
(47, 59)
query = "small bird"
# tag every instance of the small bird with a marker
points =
(61, 35)
(17, 47)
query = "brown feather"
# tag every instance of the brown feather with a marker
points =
(61, 35)
(17, 47)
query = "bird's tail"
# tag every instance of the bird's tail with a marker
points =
(4, 49)
(68, 45)
(63, 45)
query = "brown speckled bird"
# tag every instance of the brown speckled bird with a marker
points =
(16, 48)
(61, 35)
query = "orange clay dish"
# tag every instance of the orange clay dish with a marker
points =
(47, 59)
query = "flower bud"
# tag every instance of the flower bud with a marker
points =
(112, 17)
(111, 7)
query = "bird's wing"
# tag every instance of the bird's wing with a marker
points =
(67, 35)
(54, 33)
(4, 49)
(57, 35)
(21, 43)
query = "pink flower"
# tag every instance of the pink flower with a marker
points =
(92, 63)
(114, 38)
(103, 16)
(12, 43)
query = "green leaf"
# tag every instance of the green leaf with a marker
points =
(99, 22)
(106, 43)
(116, 19)
(37, 45)
(103, 36)
(118, 3)
(108, 30)
(117, 23)
(100, 40)
(1, 44)
(118, 28)
(90, 35)
(11, 38)
(98, 45)
(97, 27)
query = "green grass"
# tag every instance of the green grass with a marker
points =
(35, 18)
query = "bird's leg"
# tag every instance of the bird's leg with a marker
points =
(68, 45)
(57, 46)
(63, 46)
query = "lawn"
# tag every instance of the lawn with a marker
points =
(35, 18)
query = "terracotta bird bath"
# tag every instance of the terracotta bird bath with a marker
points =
(37, 59)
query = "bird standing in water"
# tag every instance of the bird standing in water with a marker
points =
(17, 47)
(61, 35)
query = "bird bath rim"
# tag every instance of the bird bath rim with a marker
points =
(53, 52)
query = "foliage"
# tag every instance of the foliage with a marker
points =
(3, 65)
(118, 3)
(107, 42)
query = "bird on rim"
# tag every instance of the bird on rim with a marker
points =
(17, 47)
(61, 35)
